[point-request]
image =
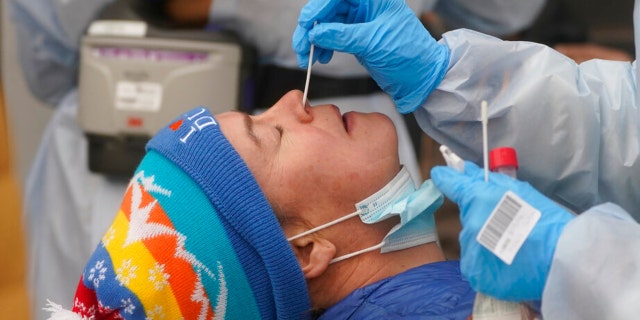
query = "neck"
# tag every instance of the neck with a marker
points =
(344, 277)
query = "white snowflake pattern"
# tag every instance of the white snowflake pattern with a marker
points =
(158, 277)
(126, 272)
(108, 236)
(223, 295)
(97, 273)
(128, 306)
(155, 314)
(103, 309)
(83, 309)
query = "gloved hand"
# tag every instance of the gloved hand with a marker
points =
(385, 36)
(525, 278)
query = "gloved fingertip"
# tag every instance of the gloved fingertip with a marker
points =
(306, 24)
(470, 167)
(441, 174)
(305, 19)
(300, 40)
(332, 36)
(324, 56)
(438, 171)
(449, 181)
(303, 61)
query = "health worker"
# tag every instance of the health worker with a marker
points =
(576, 129)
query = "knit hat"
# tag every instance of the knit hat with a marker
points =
(194, 238)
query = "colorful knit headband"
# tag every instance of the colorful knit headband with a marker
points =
(194, 239)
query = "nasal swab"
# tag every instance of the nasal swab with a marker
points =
(485, 151)
(306, 83)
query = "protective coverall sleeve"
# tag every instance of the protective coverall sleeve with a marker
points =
(594, 272)
(48, 36)
(575, 127)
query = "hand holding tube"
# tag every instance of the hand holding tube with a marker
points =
(525, 278)
(385, 36)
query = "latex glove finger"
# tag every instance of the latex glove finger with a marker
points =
(449, 181)
(349, 38)
(337, 11)
(320, 10)
(302, 47)
(470, 190)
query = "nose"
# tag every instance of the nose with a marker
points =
(291, 102)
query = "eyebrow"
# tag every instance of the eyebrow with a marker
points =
(248, 124)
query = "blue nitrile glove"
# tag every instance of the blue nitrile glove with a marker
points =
(385, 36)
(525, 278)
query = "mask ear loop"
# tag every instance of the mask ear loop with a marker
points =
(349, 255)
(326, 225)
(329, 224)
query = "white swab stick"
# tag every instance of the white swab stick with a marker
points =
(485, 149)
(306, 83)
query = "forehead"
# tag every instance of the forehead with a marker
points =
(234, 125)
(237, 128)
(241, 122)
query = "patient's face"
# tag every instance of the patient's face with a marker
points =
(313, 159)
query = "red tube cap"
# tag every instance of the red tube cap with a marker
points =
(502, 156)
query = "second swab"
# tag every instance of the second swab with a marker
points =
(485, 147)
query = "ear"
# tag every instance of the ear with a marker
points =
(314, 255)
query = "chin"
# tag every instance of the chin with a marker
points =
(386, 126)
(390, 137)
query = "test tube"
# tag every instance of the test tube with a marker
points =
(504, 160)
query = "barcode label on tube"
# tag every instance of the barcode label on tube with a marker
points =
(508, 227)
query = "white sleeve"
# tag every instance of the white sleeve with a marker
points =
(575, 127)
(48, 33)
(595, 271)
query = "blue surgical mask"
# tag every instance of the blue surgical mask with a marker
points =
(399, 197)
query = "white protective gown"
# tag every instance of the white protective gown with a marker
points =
(67, 207)
(576, 129)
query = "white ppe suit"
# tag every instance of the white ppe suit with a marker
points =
(576, 129)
